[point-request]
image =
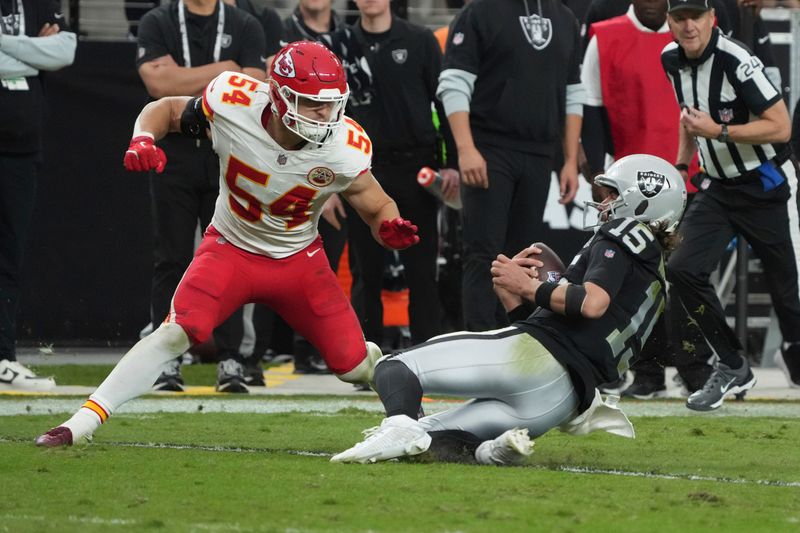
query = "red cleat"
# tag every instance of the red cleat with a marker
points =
(60, 436)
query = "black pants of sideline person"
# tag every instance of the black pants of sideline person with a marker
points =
(183, 195)
(768, 220)
(397, 175)
(18, 175)
(504, 218)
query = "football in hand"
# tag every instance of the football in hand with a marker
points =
(553, 267)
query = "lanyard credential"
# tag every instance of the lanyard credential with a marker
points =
(15, 24)
(187, 58)
(21, 17)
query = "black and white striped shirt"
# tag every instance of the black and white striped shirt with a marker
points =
(728, 83)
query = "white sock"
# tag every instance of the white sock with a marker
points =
(133, 376)
(86, 420)
(483, 453)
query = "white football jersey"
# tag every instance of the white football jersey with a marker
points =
(270, 198)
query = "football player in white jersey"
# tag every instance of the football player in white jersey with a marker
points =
(284, 146)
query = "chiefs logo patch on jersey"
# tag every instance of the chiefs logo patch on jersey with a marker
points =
(649, 182)
(320, 176)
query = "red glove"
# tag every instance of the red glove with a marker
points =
(398, 233)
(144, 155)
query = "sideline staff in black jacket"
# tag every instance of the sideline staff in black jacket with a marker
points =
(33, 38)
(394, 107)
(511, 75)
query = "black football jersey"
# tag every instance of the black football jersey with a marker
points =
(625, 259)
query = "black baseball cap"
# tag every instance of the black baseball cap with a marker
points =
(694, 5)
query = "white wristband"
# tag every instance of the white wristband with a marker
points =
(137, 133)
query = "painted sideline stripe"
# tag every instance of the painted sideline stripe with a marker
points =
(561, 468)
(96, 520)
(685, 477)
(49, 406)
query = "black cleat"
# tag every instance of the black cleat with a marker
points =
(254, 376)
(171, 378)
(230, 377)
(645, 390)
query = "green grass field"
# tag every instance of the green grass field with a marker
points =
(212, 471)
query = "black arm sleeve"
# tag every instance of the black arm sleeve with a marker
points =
(194, 123)
(253, 44)
(54, 16)
(596, 137)
(151, 40)
(763, 46)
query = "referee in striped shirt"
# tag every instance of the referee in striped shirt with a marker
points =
(738, 121)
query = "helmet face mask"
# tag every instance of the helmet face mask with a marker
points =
(649, 190)
(308, 71)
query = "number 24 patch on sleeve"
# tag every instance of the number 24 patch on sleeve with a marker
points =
(747, 69)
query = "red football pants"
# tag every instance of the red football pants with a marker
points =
(301, 288)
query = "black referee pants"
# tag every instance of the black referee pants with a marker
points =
(182, 195)
(504, 218)
(18, 175)
(397, 175)
(770, 223)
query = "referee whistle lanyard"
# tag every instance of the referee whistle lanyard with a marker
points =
(187, 56)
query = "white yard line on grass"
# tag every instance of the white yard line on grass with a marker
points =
(686, 477)
(559, 468)
(47, 406)
(96, 520)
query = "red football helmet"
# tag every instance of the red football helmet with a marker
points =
(306, 69)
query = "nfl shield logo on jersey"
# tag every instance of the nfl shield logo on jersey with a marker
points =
(320, 176)
(537, 30)
(726, 115)
(650, 183)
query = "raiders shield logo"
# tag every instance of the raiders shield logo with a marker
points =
(400, 56)
(320, 176)
(225, 41)
(537, 30)
(649, 182)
